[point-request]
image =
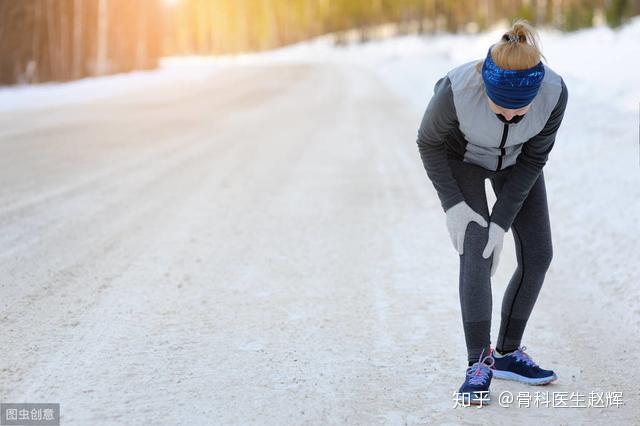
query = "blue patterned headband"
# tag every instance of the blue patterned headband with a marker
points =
(512, 89)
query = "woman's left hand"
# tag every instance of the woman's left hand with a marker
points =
(494, 245)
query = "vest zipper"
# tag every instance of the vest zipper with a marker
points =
(505, 132)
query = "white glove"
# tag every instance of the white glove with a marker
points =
(458, 217)
(494, 245)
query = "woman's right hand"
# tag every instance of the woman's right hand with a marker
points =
(458, 217)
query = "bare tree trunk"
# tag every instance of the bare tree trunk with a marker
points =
(556, 6)
(141, 46)
(78, 53)
(101, 56)
(202, 27)
(50, 19)
(272, 26)
(242, 25)
(213, 18)
(62, 47)
(36, 39)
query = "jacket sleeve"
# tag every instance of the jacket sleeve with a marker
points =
(439, 117)
(528, 167)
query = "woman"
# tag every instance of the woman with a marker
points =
(496, 118)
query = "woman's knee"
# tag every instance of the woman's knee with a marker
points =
(475, 239)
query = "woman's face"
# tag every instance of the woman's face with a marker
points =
(507, 113)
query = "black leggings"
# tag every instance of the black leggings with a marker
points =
(532, 236)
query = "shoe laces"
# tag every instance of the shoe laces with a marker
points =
(479, 371)
(522, 356)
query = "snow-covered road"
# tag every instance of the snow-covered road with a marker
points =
(262, 246)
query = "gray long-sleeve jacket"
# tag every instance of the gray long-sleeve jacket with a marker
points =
(458, 123)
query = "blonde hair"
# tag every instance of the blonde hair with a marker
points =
(523, 54)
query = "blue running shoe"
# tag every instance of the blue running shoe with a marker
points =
(475, 389)
(519, 366)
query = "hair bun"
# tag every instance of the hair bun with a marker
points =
(514, 37)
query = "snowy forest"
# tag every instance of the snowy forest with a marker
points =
(44, 40)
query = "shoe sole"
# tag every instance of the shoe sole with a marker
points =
(508, 375)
